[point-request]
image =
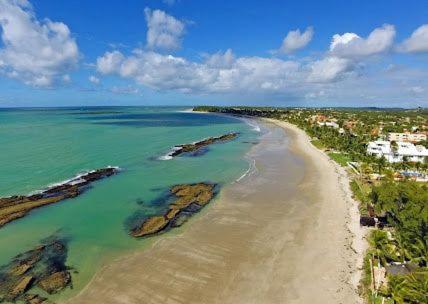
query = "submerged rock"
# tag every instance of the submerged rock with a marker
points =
(43, 267)
(187, 200)
(151, 225)
(23, 284)
(195, 147)
(15, 207)
(34, 299)
(55, 282)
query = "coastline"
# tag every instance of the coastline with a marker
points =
(289, 229)
(358, 233)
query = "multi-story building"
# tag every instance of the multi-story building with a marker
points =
(402, 151)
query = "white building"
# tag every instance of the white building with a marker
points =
(403, 151)
(330, 124)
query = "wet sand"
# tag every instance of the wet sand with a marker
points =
(282, 234)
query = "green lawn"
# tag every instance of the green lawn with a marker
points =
(340, 158)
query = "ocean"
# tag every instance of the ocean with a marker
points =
(40, 147)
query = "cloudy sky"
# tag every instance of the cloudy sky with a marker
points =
(183, 52)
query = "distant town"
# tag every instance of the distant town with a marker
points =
(385, 152)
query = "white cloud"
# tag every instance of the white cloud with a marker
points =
(94, 80)
(110, 62)
(331, 78)
(221, 60)
(221, 72)
(417, 89)
(350, 45)
(417, 42)
(329, 69)
(35, 52)
(164, 31)
(296, 40)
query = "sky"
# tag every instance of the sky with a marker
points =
(188, 52)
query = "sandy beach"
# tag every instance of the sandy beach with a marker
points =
(287, 232)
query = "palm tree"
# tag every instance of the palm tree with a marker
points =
(396, 287)
(380, 243)
(411, 288)
(419, 252)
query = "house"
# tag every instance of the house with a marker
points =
(403, 151)
(407, 137)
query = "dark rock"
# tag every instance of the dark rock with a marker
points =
(367, 221)
(188, 199)
(34, 299)
(55, 282)
(197, 147)
(44, 266)
(15, 207)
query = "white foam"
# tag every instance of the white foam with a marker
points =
(77, 179)
(254, 126)
(190, 110)
(250, 171)
(169, 156)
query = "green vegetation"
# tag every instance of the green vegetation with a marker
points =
(317, 143)
(403, 242)
(340, 158)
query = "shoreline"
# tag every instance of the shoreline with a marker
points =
(248, 237)
(358, 233)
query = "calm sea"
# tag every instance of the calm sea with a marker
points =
(39, 147)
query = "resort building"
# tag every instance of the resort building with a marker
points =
(403, 151)
(407, 137)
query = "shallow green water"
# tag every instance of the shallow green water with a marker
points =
(43, 146)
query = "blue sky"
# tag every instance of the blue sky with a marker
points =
(183, 52)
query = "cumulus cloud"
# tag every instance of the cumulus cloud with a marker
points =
(221, 72)
(331, 77)
(163, 31)
(296, 40)
(94, 79)
(350, 45)
(417, 42)
(221, 60)
(35, 52)
(329, 69)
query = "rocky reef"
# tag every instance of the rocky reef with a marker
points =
(43, 267)
(195, 147)
(186, 200)
(14, 207)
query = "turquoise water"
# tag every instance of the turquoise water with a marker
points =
(44, 146)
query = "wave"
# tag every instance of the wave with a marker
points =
(255, 127)
(77, 179)
(189, 110)
(169, 156)
(250, 171)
